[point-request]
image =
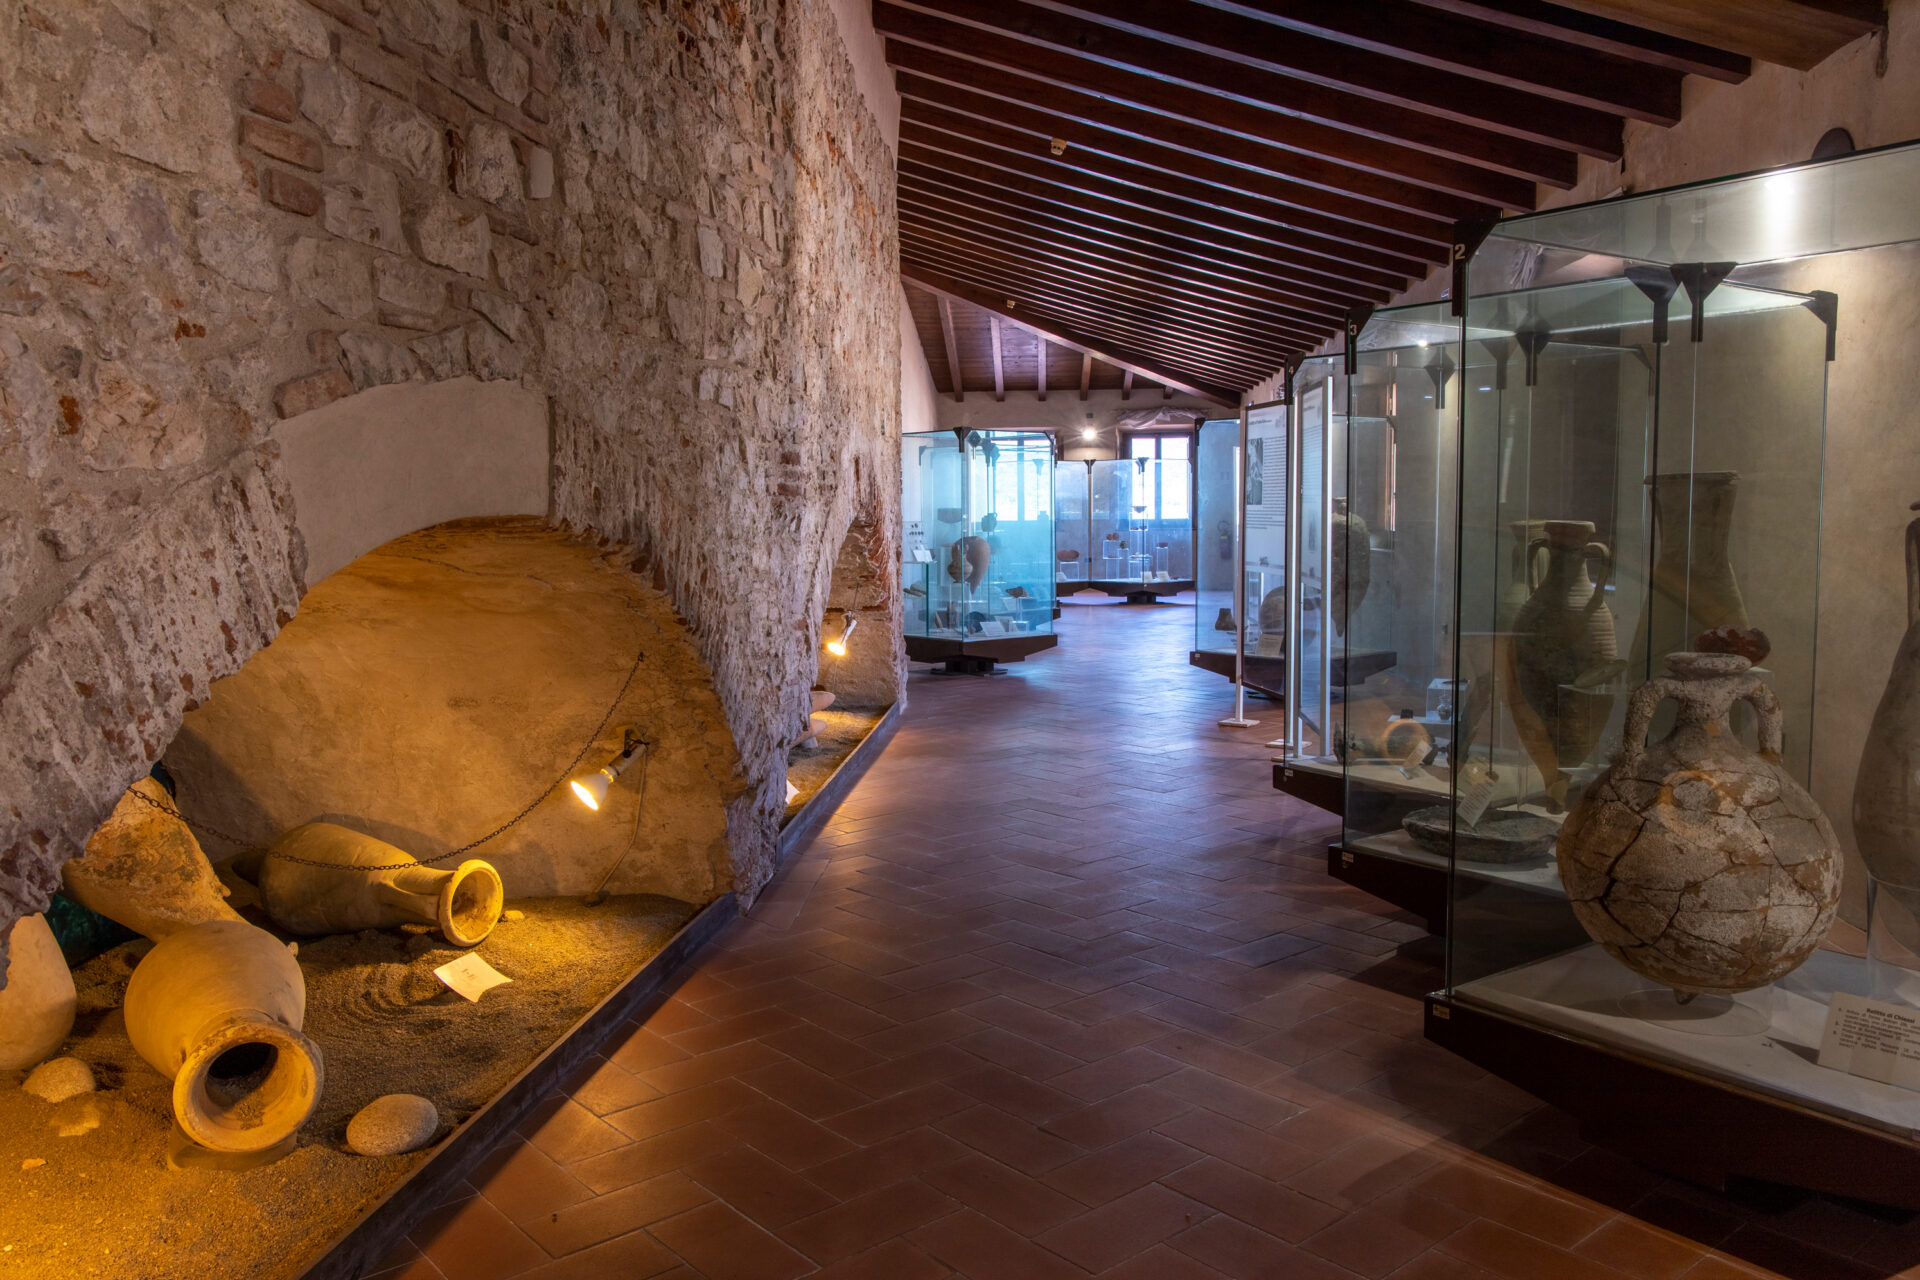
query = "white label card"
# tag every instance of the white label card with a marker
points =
(471, 976)
(1873, 1040)
(1477, 795)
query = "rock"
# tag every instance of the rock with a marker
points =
(19, 295)
(407, 137)
(513, 913)
(268, 26)
(507, 316)
(363, 203)
(393, 1125)
(509, 74)
(452, 237)
(58, 1079)
(373, 361)
(442, 355)
(489, 355)
(332, 101)
(438, 24)
(407, 284)
(713, 253)
(243, 252)
(31, 1162)
(333, 275)
(159, 110)
(539, 173)
(302, 395)
(488, 168)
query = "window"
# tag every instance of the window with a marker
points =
(1164, 479)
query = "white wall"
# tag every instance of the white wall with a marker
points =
(919, 402)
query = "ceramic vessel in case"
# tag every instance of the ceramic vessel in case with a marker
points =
(1564, 651)
(325, 878)
(143, 868)
(1886, 791)
(1695, 862)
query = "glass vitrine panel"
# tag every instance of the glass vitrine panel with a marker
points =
(1120, 530)
(1394, 483)
(1217, 479)
(1072, 525)
(1265, 551)
(1304, 599)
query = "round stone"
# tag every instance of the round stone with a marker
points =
(393, 1125)
(58, 1079)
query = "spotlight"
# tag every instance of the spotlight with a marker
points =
(591, 789)
(1088, 433)
(838, 646)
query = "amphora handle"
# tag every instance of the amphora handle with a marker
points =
(1648, 697)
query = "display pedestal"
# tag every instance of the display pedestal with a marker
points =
(977, 655)
(1693, 1127)
(1411, 886)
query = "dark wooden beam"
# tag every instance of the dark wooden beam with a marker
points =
(1086, 375)
(1243, 217)
(1065, 277)
(1102, 216)
(953, 350)
(1355, 128)
(1390, 172)
(981, 215)
(1166, 393)
(952, 206)
(1427, 219)
(1040, 381)
(1397, 32)
(1559, 24)
(1164, 338)
(1167, 335)
(1126, 385)
(1794, 33)
(1278, 198)
(954, 288)
(999, 369)
(1544, 128)
(1602, 35)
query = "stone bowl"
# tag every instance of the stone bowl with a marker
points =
(1503, 836)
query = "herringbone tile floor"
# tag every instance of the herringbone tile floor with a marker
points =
(1065, 991)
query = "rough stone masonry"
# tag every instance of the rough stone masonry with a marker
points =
(673, 218)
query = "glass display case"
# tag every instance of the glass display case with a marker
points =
(1241, 552)
(1128, 530)
(1683, 836)
(977, 552)
(1072, 525)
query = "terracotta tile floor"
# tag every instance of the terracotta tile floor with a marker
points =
(1064, 990)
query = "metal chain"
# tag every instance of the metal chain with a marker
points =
(247, 846)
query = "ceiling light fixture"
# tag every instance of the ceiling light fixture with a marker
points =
(1058, 146)
(1088, 433)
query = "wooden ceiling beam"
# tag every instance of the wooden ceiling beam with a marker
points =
(1102, 217)
(999, 368)
(1126, 385)
(1086, 375)
(1400, 31)
(1214, 325)
(1389, 172)
(1040, 379)
(1277, 197)
(1292, 175)
(1248, 217)
(1793, 33)
(953, 350)
(1169, 328)
(933, 215)
(1352, 127)
(1224, 317)
(1602, 35)
(1542, 129)
(939, 282)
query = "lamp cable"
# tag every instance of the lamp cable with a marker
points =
(248, 846)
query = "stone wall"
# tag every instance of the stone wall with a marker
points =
(674, 220)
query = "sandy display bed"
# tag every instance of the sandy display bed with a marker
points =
(105, 1203)
(808, 768)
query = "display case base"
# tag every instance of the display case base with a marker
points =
(1414, 888)
(1265, 676)
(1701, 1130)
(1321, 788)
(1137, 592)
(977, 655)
